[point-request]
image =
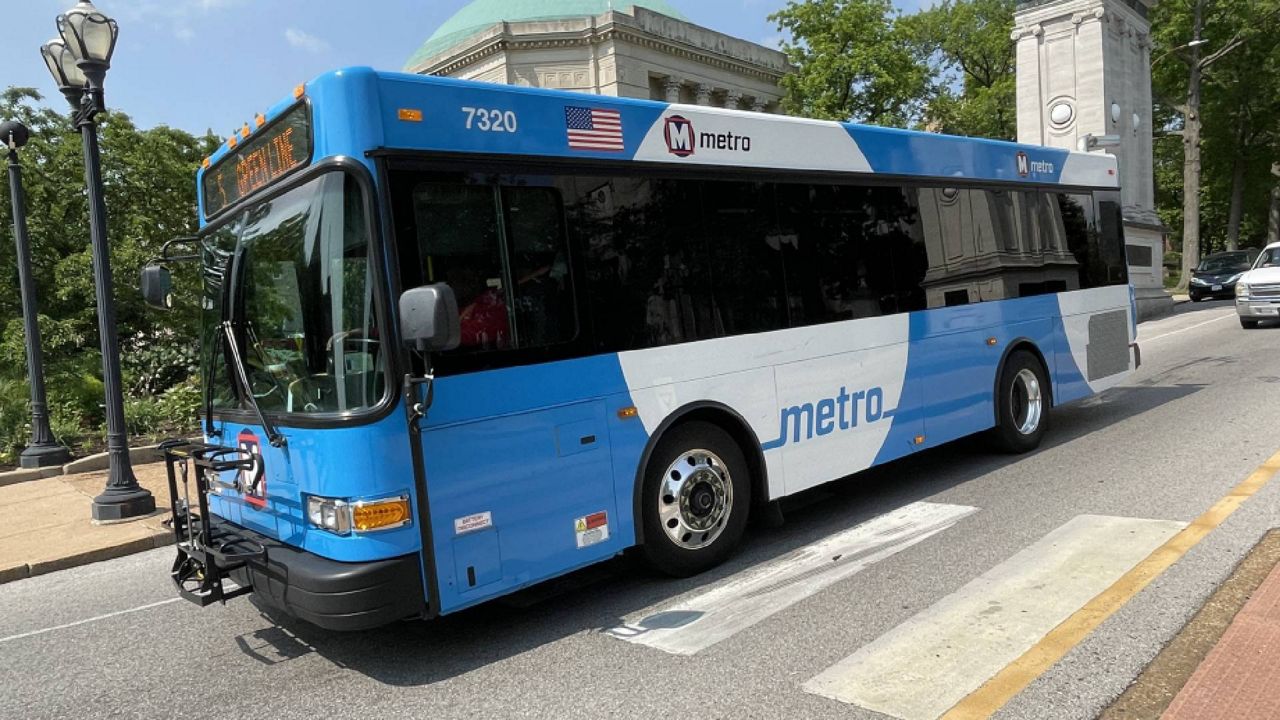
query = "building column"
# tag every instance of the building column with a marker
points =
(733, 100)
(759, 105)
(671, 86)
(704, 94)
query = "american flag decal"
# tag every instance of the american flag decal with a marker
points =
(593, 129)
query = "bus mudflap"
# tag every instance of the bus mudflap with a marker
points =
(208, 551)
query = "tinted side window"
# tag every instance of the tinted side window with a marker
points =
(745, 240)
(1095, 238)
(647, 273)
(836, 267)
(503, 251)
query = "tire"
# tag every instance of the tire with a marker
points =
(1023, 399)
(1248, 324)
(1196, 298)
(693, 516)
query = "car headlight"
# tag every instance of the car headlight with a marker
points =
(1242, 289)
(343, 517)
(1198, 281)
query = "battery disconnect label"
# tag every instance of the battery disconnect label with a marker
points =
(592, 529)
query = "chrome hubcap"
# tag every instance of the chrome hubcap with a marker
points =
(695, 499)
(1027, 402)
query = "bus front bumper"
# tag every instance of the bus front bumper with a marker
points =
(330, 594)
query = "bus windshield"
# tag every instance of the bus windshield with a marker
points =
(302, 304)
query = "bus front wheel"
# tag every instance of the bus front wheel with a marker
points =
(1022, 404)
(695, 497)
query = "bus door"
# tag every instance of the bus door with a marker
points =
(516, 444)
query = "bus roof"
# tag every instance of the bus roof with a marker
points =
(358, 110)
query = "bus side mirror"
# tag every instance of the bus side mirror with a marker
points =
(157, 287)
(429, 319)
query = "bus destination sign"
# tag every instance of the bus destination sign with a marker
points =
(282, 147)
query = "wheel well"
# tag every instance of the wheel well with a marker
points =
(726, 419)
(1019, 345)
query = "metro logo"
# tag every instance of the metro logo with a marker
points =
(680, 136)
(1026, 166)
(843, 411)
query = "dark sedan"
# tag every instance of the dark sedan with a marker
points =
(1217, 275)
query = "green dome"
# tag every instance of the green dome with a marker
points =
(480, 14)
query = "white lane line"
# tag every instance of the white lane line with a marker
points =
(89, 620)
(923, 667)
(697, 622)
(1185, 329)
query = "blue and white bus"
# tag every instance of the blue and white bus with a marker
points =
(461, 338)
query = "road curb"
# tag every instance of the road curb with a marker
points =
(1155, 688)
(97, 462)
(155, 538)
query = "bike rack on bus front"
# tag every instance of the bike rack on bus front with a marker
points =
(207, 551)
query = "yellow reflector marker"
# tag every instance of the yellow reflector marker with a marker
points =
(299, 91)
(232, 142)
(380, 514)
(245, 131)
(410, 115)
(627, 413)
(205, 164)
(919, 440)
(260, 120)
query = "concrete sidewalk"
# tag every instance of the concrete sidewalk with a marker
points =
(45, 524)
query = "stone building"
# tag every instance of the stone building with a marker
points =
(1084, 70)
(624, 48)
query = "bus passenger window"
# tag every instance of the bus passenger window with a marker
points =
(543, 295)
(457, 232)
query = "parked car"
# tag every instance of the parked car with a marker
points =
(1258, 292)
(1218, 273)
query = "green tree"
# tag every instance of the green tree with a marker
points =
(148, 177)
(852, 62)
(973, 65)
(1196, 42)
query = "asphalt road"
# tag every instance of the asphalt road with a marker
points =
(1204, 411)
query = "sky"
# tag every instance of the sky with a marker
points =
(214, 64)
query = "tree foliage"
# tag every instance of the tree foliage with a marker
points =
(1240, 139)
(948, 68)
(148, 177)
(852, 61)
(972, 65)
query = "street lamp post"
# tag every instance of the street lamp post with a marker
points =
(43, 450)
(79, 61)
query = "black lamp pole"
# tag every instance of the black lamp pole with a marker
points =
(43, 451)
(79, 62)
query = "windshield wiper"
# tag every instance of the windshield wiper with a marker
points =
(273, 435)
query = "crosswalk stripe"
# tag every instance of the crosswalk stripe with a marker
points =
(698, 622)
(921, 668)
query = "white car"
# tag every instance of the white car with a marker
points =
(1258, 292)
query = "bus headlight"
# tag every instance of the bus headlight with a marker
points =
(343, 517)
(329, 514)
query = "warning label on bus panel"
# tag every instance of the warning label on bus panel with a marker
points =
(592, 529)
(472, 523)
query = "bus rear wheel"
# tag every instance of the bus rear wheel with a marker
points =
(694, 501)
(1022, 404)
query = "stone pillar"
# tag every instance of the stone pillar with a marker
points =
(759, 105)
(704, 94)
(1084, 68)
(671, 86)
(733, 100)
